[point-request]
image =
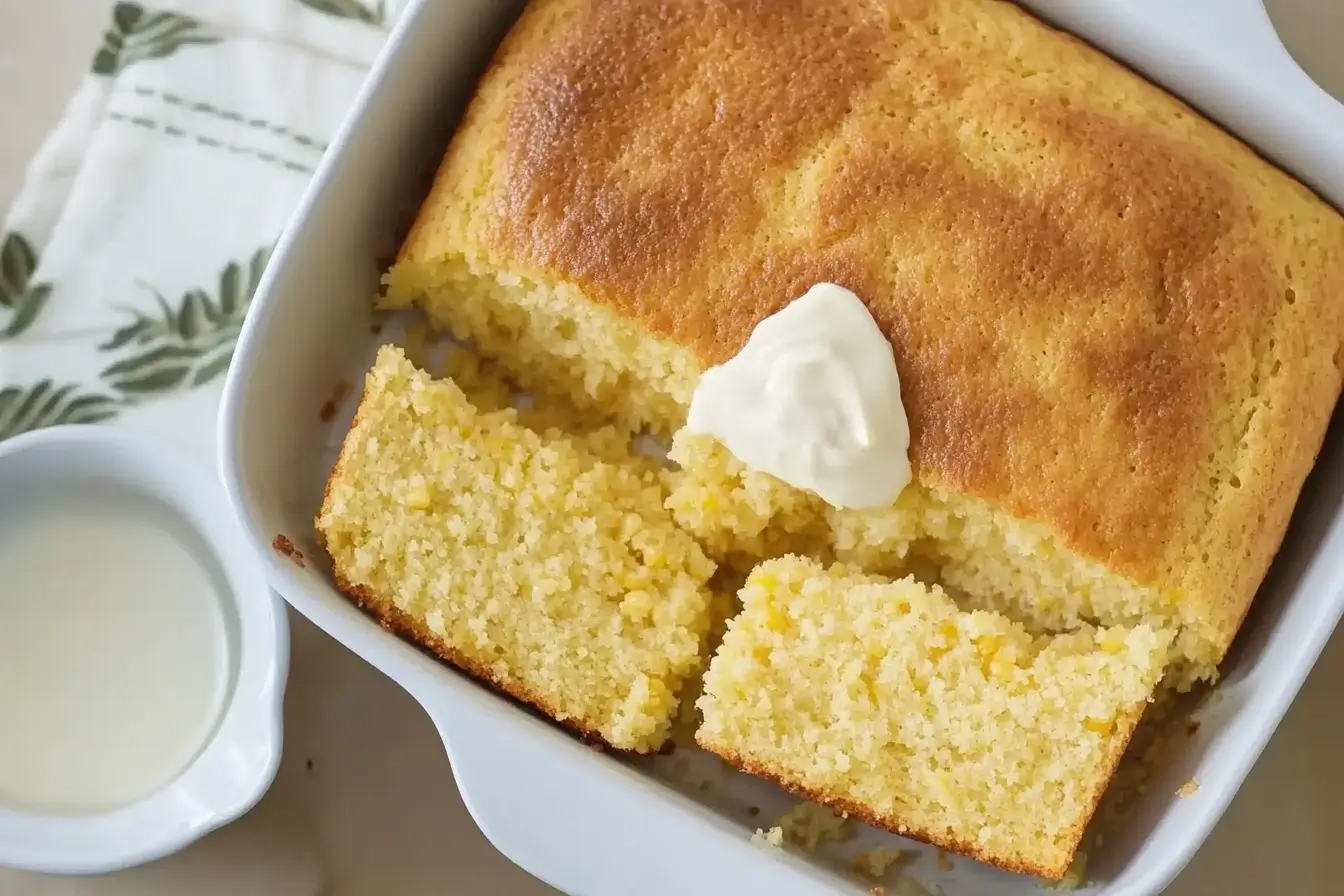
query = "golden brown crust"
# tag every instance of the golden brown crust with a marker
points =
(411, 629)
(867, 815)
(851, 809)
(1109, 316)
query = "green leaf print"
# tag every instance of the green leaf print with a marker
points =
(27, 310)
(23, 299)
(45, 404)
(138, 33)
(350, 9)
(18, 260)
(183, 345)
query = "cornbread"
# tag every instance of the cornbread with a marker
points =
(525, 560)
(1118, 330)
(772, 837)
(882, 700)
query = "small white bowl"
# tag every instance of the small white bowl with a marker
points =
(236, 764)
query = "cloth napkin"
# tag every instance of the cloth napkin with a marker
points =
(127, 264)
(129, 259)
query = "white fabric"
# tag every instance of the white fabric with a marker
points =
(128, 259)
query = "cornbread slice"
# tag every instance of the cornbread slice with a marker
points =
(526, 561)
(881, 699)
(1118, 330)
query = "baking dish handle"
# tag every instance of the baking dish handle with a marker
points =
(588, 823)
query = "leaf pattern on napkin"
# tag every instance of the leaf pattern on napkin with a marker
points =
(45, 404)
(20, 298)
(351, 9)
(187, 344)
(138, 33)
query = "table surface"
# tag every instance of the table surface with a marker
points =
(365, 801)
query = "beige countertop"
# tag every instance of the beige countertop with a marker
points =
(365, 801)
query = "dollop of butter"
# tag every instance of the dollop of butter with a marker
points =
(814, 399)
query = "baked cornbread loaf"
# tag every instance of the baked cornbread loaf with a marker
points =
(555, 576)
(1118, 330)
(883, 700)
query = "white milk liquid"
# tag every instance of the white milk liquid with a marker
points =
(113, 652)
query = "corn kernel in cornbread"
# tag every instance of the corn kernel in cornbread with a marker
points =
(526, 561)
(881, 699)
(1118, 329)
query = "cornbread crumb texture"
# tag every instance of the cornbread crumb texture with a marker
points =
(773, 837)
(523, 559)
(882, 700)
(991, 559)
(1189, 788)
(1051, 244)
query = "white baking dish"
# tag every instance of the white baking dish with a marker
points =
(590, 824)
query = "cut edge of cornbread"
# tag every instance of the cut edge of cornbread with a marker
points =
(545, 336)
(746, 726)
(344, 532)
(987, 557)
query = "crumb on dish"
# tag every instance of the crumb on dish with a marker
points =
(332, 406)
(285, 548)
(772, 838)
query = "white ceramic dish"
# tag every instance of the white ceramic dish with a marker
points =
(589, 824)
(238, 761)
